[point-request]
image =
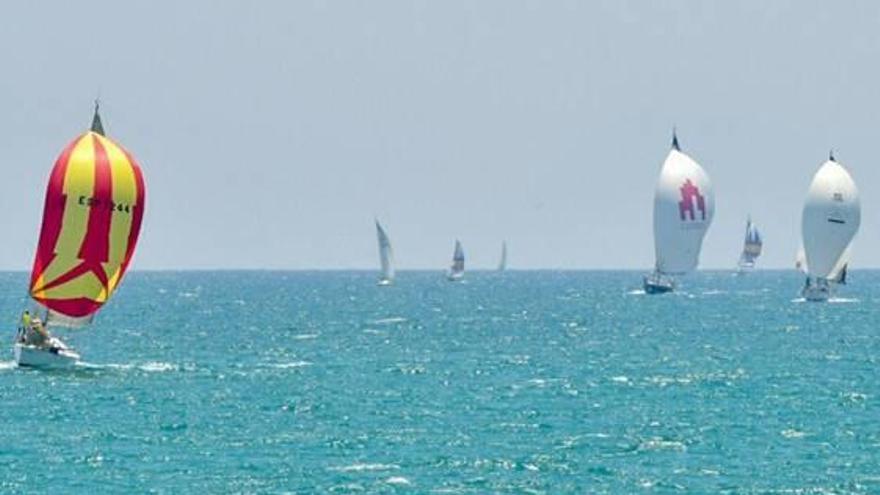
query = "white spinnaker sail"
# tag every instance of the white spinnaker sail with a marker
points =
(386, 254)
(684, 204)
(457, 260)
(831, 218)
(502, 265)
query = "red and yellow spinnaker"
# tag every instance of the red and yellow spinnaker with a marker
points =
(91, 220)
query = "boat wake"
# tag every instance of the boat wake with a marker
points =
(636, 292)
(7, 365)
(293, 364)
(149, 367)
(843, 300)
(832, 300)
(363, 466)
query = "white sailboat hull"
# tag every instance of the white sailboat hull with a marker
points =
(57, 355)
(657, 283)
(384, 282)
(817, 292)
(455, 276)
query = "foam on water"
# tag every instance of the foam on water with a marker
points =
(292, 364)
(387, 321)
(365, 466)
(149, 366)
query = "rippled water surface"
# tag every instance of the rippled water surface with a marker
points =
(526, 382)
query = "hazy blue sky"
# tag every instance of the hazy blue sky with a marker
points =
(271, 133)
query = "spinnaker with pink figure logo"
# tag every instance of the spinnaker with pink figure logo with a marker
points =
(684, 204)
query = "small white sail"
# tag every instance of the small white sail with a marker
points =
(502, 265)
(830, 221)
(456, 270)
(752, 246)
(684, 204)
(386, 256)
(800, 259)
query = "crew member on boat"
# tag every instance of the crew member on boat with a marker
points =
(36, 333)
(25, 325)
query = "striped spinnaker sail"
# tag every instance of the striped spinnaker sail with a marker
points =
(91, 219)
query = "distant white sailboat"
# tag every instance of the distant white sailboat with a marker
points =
(386, 256)
(502, 265)
(800, 259)
(752, 246)
(831, 218)
(456, 270)
(684, 204)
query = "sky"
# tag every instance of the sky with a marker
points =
(271, 134)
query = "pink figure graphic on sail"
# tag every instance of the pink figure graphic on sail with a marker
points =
(690, 195)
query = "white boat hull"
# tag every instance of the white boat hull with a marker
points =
(658, 284)
(45, 357)
(384, 282)
(817, 293)
(455, 276)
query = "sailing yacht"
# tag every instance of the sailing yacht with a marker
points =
(456, 270)
(386, 256)
(92, 217)
(830, 220)
(684, 204)
(752, 246)
(502, 265)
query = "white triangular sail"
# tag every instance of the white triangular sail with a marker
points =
(800, 259)
(456, 270)
(684, 204)
(502, 265)
(386, 255)
(831, 218)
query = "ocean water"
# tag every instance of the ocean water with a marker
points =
(522, 382)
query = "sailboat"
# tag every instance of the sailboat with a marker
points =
(800, 260)
(831, 218)
(386, 256)
(92, 216)
(456, 270)
(684, 205)
(502, 265)
(752, 246)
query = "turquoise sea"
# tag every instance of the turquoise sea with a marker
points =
(522, 382)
